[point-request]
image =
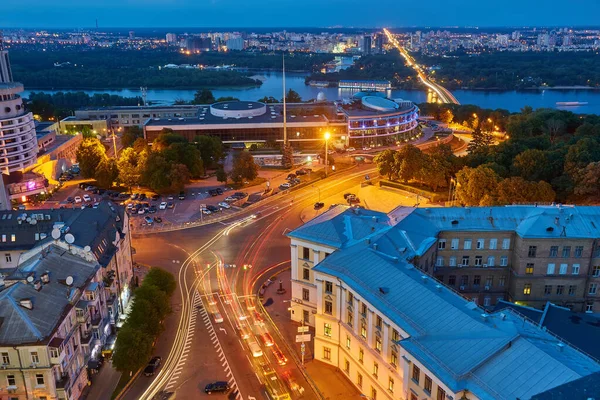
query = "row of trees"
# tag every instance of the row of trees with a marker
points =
(151, 305)
(411, 164)
(515, 70)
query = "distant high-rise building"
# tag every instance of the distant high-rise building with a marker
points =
(235, 43)
(18, 147)
(567, 40)
(366, 45)
(516, 35)
(502, 40)
(171, 38)
(379, 43)
(543, 40)
(131, 34)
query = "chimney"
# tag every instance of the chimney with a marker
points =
(26, 303)
(560, 346)
(484, 316)
(45, 277)
(438, 287)
(37, 285)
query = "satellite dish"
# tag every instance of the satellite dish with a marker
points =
(55, 234)
(28, 219)
(30, 279)
(69, 280)
(69, 238)
(33, 221)
(87, 248)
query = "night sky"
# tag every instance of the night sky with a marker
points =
(297, 13)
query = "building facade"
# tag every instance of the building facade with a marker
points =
(396, 332)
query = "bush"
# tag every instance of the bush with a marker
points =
(434, 197)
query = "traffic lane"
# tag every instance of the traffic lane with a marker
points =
(157, 252)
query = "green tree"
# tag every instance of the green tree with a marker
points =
(409, 162)
(221, 174)
(167, 138)
(145, 316)
(269, 99)
(130, 166)
(130, 135)
(106, 173)
(441, 159)
(227, 98)
(186, 154)
(132, 349)
(203, 96)
(292, 97)
(532, 165)
(476, 186)
(155, 174)
(517, 190)
(480, 140)
(140, 145)
(156, 296)
(211, 149)
(287, 156)
(162, 279)
(179, 176)
(588, 181)
(386, 163)
(89, 155)
(244, 167)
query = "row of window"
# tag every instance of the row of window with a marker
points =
(592, 289)
(566, 252)
(479, 244)
(35, 358)
(465, 261)
(464, 280)
(427, 384)
(12, 382)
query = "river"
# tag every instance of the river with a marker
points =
(510, 100)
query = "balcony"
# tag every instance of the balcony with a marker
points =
(96, 320)
(63, 383)
(87, 338)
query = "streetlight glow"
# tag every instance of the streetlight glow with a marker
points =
(327, 135)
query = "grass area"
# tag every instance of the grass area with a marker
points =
(123, 381)
(417, 188)
(257, 181)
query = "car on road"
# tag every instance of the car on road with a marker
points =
(285, 186)
(290, 177)
(170, 205)
(90, 188)
(224, 205)
(148, 220)
(267, 339)
(319, 205)
(77, 199)
(96, 204)
(366, 148)
(152, 366)
(158, 220)
(255, 349)
(349, 149)
(218, 318)
(86, 197)
(212, 300)
(212, 208)
(279, 356)
(217, 387)
(250, 305)
(242, 330)
(163, 205)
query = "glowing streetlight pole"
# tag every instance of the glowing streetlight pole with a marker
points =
(327, 136)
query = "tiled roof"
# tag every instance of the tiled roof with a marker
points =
(498, 356)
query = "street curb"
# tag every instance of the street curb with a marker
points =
(126, 388)
(289, 348)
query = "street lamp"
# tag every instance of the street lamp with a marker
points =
(327, 136)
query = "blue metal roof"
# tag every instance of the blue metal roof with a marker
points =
(499, 356)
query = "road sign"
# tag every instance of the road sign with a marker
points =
(302, 347)
(303, 338)
(302, 329)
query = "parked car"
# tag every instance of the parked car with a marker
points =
(224, 205)
(152, 366)
(285, 186)
(206, 211)
(217, 387)
(170, 204)
(213, 192)
(142, 197)
(86, 197)
(319, 205)
(77, 199)
(163, 205)
(134, 196)
(152, 209)
(148, 220)
(231, 199)
(158, 220)
(181, 195)
(366, 148)
(290, 177)
(155, 197)
(346, 195)
(70, 200)
(212, 208)
(219, 191)
(349, 149)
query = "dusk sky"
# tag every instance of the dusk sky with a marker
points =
(294, 13)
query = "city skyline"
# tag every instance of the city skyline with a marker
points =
(352, 13)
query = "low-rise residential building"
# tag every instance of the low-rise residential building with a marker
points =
(365, 281)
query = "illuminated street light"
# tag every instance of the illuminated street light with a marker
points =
(327, 136)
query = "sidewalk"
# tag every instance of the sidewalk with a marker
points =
(103, 383)
(330, 381)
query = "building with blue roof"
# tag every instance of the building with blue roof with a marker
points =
(376, 288)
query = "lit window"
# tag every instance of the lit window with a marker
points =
(394, 359)
(378, 344)
(348, 341)
(375, 369)
(529, 269)
(527, 289)
(363, 330)
(361, 355)
(391, 385)
(13, 237)
(427, 384)
(327, 330)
